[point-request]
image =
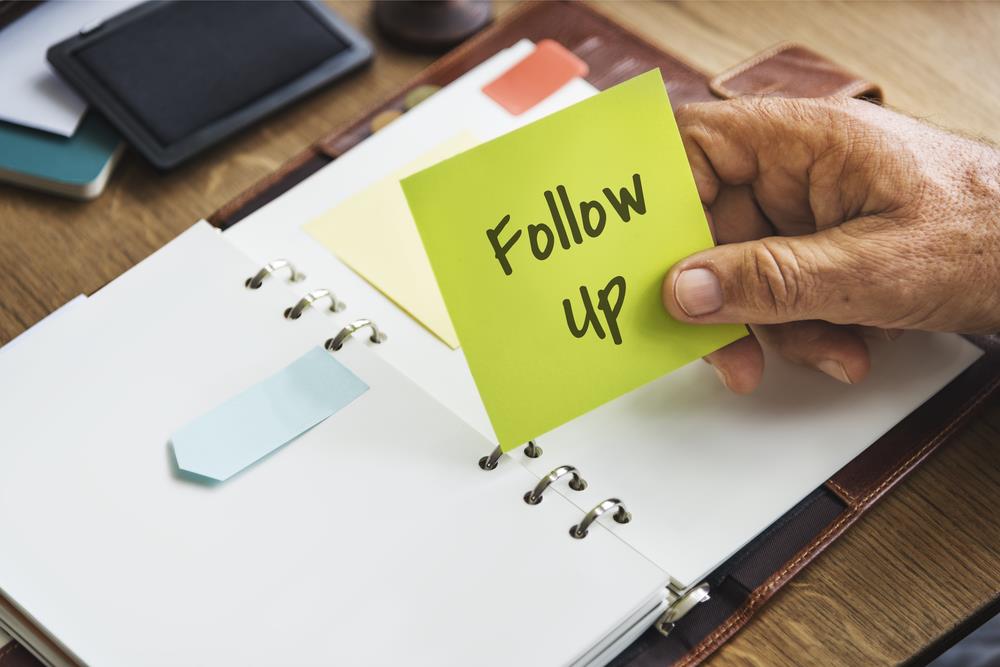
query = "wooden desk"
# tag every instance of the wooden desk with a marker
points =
(924, 559)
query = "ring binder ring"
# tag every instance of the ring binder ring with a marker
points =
(577, 483)
(490, 462)
(532, 450)
(338, 341)
(621, 515)
(310, 299)
(680, 607)
(254, 282)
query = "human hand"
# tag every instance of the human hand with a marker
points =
(836, 219)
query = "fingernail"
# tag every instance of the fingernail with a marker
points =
(722, 376)
(698, 292)
(834, 369)
(893, 334)
(718, 372)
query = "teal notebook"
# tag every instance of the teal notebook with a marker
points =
(76, 166)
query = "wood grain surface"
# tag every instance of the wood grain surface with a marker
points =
(920, 562)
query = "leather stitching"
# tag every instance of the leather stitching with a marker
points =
(736, 621)
(847, 495)
(736, 70)
(8, 649)
(852, 88)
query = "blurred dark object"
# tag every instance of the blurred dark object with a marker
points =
(11, 10)
(961, 647)
(979, 649)
(431, 26)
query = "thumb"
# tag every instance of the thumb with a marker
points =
(774, 280)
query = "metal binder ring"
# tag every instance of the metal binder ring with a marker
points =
(580, 530)
(532, 450)
(338, 341)
(490, 462)
(577, 483)
(310, 299)
(275, 265)
(680, 607)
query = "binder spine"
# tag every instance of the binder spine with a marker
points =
(577, 483)
(310, 299)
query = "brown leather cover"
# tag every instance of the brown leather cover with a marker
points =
(749, 579)
(15, 655)
(791, 70)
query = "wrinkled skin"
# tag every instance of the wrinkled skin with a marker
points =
(836, 220)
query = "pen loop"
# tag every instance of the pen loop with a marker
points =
(621, 515)
(577, 483)
(257, 280)
(337, 342)
(310, 299)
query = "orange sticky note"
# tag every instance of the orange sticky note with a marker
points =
(547, 69)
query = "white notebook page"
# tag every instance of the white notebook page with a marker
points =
(372, 539)
(704, 471)
(709, 470)
(46, 333)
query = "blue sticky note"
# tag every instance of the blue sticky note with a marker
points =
(273, 412)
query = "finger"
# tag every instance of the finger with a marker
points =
(831, 275)
(839, 352)
(739, 365)
(770, 145)
(736, 217)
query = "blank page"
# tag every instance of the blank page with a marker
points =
(373, 539)
(709, 470)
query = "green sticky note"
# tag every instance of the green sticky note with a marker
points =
(550, 245)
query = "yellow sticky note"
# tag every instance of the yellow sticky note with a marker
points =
(374, 234)
(550, 245)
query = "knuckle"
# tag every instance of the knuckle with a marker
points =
(794, 111)
(695, 114)
(687, 114)
(774, 280)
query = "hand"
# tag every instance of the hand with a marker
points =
(836, 219)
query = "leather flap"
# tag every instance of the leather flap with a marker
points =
(792, 70)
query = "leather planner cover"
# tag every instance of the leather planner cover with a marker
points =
(613, 54)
